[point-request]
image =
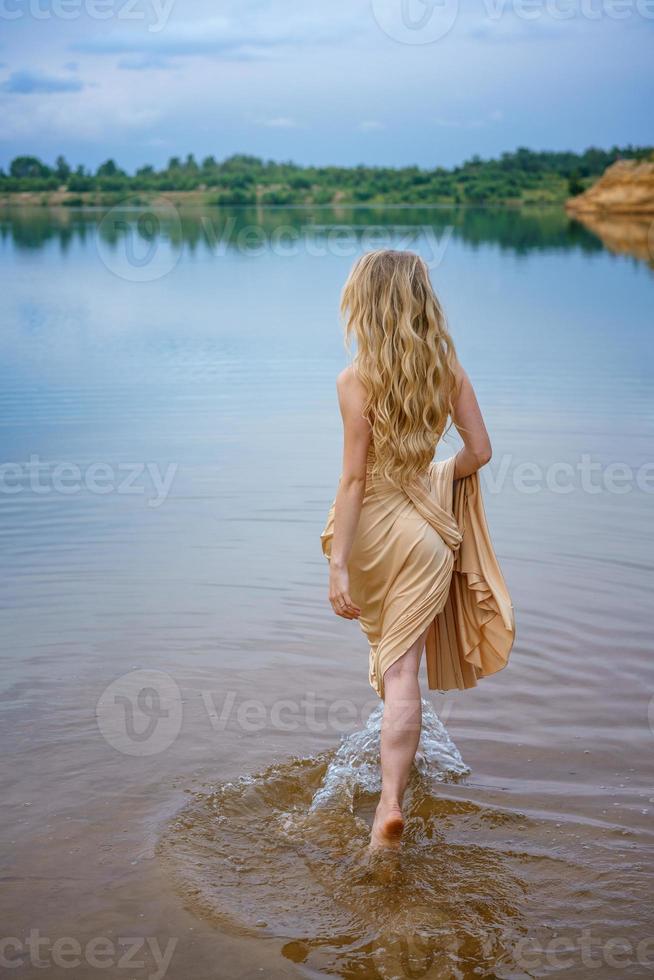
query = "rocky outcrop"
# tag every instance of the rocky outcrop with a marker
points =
(626, 187)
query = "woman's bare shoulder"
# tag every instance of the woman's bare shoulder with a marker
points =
(351, 391)
(348, 381)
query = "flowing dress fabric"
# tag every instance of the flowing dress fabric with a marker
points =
(422, 560)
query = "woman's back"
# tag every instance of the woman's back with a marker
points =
(405, 360)
(394, 532)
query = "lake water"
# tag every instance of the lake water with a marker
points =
(188, 736)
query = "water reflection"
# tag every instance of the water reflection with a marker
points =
(253, 230)
(624, 234)
(225, 370)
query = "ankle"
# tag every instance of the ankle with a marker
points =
(390, 802)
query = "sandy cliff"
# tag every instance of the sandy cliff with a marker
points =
(626, 187)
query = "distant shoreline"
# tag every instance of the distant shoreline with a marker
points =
(517, 179)
(101, 201)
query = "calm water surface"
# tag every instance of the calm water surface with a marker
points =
(189, 740)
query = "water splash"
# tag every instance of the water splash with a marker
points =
(355, 766)
(284, 852)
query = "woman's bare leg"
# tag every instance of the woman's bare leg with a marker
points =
(400, 734)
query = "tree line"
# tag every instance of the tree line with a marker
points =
(521, 176)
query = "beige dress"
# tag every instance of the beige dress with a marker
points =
(422, 558)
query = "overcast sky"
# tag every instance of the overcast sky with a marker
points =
(336, 81)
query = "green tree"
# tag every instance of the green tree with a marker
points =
(28, 168)
(62, 170)
(109, 169)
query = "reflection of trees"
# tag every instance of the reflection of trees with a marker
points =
(254, 230)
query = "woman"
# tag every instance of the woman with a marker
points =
(399, 560)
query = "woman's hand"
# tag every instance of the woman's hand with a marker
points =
(339, 592)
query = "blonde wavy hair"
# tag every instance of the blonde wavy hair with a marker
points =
(405, 358)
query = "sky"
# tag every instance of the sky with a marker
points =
(386, 82)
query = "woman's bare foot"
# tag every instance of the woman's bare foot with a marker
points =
(387, 827)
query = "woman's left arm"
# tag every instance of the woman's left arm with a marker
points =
(351, 489)
(470, 425)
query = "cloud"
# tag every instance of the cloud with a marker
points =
(30, 82)
(370, 125)
(181, 43)
(217, 37)
(279, 122)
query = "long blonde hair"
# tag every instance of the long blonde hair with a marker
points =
(405, 358)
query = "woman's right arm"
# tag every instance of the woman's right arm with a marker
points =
(469, 423)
